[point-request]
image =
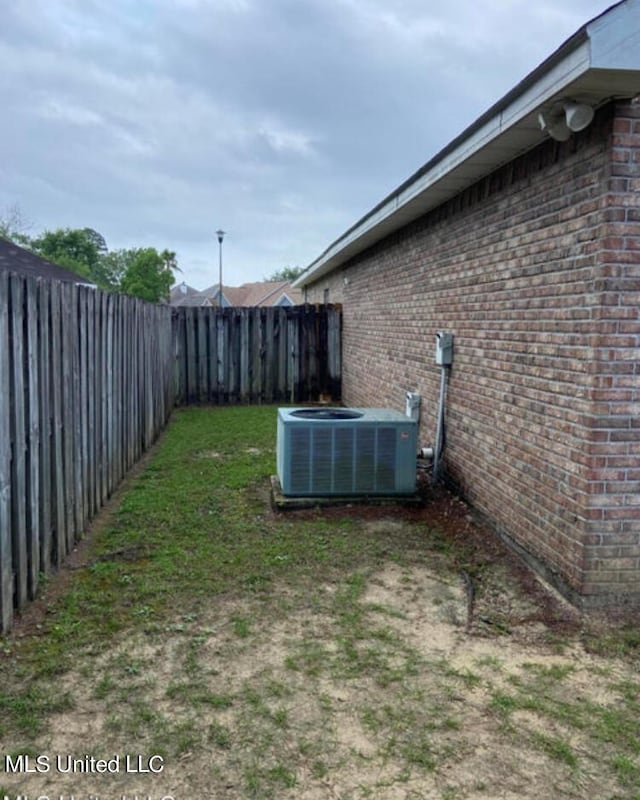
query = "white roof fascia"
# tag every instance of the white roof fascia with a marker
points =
(610, 42)
(559, 77)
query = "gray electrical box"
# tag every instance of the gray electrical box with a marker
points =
(444, 348)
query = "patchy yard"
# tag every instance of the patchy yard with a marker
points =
(343, 654)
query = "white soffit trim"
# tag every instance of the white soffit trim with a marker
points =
(599, 62)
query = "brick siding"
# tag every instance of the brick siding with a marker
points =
(536, 271)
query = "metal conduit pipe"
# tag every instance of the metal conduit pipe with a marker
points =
(444, 357)
(439, 442)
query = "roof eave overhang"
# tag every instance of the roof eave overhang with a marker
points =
(599, 63)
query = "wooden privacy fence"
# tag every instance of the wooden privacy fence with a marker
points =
(257, 355)
(87, 384)
(88, 381)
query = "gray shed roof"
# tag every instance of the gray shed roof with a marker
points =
(600, 62)
(14, 258)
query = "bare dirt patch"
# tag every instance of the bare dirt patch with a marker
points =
(369, 685)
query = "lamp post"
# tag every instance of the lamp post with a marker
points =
(220, 234)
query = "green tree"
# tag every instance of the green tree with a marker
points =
(76, 249)
(143, 272)
(112, 266)
(97, 239)
(286, 274)
(149, 275)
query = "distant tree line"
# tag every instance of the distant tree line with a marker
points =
(140, 271)
(286, 274)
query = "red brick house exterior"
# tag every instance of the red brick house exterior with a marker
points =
(534, 267)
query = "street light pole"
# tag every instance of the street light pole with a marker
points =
(220, 234)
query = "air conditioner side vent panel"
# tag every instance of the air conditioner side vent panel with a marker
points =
(352, 452)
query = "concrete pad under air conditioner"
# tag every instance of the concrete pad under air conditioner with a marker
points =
(281, 502)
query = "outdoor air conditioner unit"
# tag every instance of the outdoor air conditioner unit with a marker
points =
(346, 451)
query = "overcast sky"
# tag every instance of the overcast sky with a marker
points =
(156, 122)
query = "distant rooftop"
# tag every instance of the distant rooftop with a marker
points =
(260, 293)
(14, 258)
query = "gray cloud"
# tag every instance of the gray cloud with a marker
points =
(283, 121)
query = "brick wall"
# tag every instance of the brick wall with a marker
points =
(612, 536)
(536, 272)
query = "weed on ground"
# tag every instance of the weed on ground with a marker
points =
(203, 645)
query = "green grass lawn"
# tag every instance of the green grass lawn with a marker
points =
(193, 525)
(274, 655)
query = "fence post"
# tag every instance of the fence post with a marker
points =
(246, 357)
(6, 549)
(46, 434)
(33, 454)
(334, 354)
(18, 428)
(59, 543)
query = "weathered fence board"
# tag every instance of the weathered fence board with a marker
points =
(6, 543)
(59, 543)
(257, 355)
(88, 383)
(44, 456)
(67, 416)
(33, 442)
(18, 438)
